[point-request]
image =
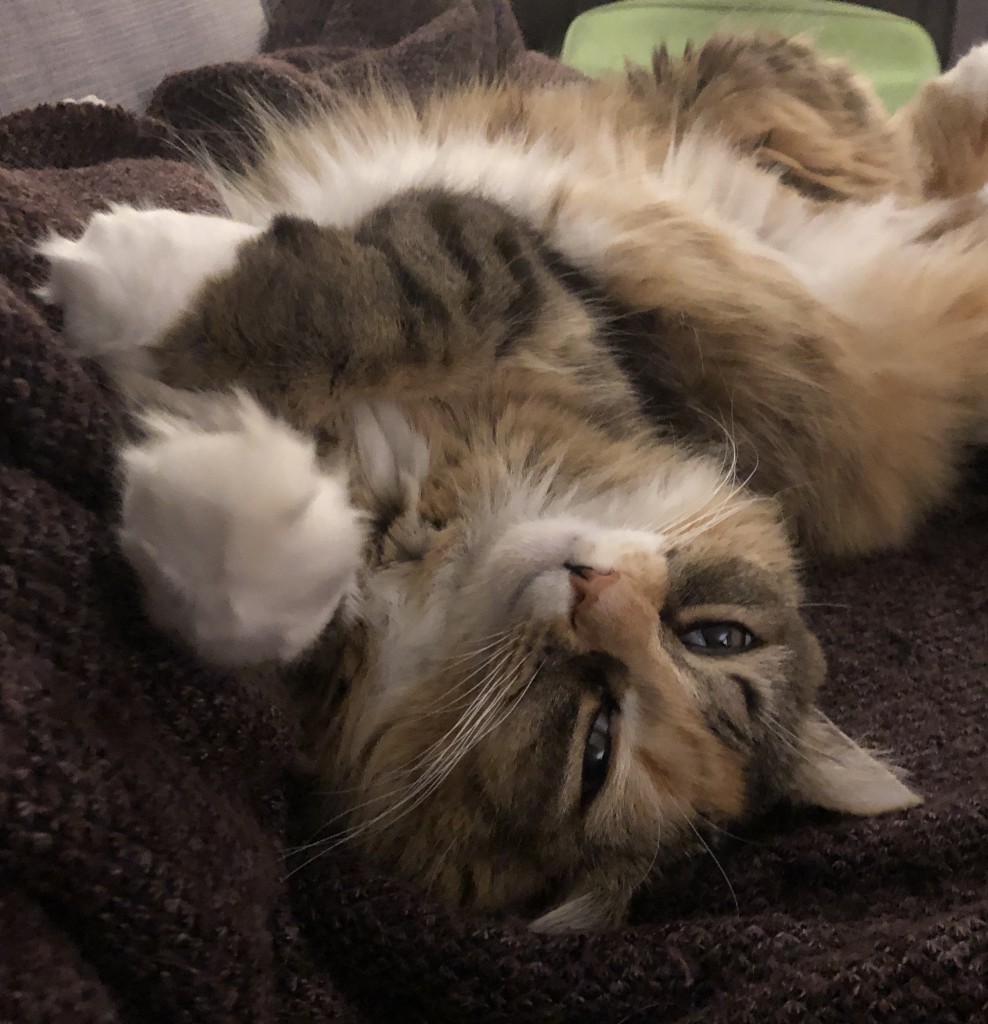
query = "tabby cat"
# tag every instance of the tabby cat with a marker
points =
(494, 420)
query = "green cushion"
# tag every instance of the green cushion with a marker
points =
(895, 53)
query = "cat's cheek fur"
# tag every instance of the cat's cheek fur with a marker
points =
(131, 275)
(245, 546)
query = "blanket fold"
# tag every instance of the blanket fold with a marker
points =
(146, 801)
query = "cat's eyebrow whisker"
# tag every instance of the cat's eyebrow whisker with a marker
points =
(705, 514)
(800, 745)
(692, 529)
(797, 745)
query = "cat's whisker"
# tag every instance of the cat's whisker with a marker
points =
(464, 743)
(437, 706)
(720, 867)
(482, 732)
(647, 873)
(687, 816)
(320, 839)
(437, 867)
(465, 739)
(499, 641)
(413, 800)
(489, 684)
(709, 823)
(454, 737)
(484, 644)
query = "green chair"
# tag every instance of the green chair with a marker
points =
(895, 53)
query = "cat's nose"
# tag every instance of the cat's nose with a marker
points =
(611, 611)
(589, 583)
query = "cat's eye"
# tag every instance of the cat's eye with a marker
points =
(718, 638)
(597, 754)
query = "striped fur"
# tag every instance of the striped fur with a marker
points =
(528, 386)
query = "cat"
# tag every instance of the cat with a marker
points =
(496, 423)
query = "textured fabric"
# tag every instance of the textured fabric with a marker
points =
(145, 801)
(115, 49)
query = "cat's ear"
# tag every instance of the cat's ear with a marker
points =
(837, 774)
(589, 908)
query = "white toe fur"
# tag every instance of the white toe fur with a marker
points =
(245, 546)
(132, 273)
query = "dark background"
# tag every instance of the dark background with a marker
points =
(954, 24)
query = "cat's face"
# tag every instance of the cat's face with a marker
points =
(602, 694)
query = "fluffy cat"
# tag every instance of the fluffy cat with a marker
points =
(493, 421)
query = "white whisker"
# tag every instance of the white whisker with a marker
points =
(433, 778)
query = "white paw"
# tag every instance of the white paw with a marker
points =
(969, 78)
(245, 546)
(131, 275)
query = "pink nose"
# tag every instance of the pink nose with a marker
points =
(588, 583)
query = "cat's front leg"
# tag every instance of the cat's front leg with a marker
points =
(244, 544)
(131, 275)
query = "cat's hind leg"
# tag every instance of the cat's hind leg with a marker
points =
(245, 545)
(802, 114)
(131, 275)
(947, 126)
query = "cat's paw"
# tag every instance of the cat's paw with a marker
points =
(244, 545)
(131, 274)
(969, 78)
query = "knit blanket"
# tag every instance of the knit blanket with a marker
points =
(146, 802)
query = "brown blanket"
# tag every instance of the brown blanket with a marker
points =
(145, 801)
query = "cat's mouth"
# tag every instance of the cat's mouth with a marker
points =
(584, 585)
